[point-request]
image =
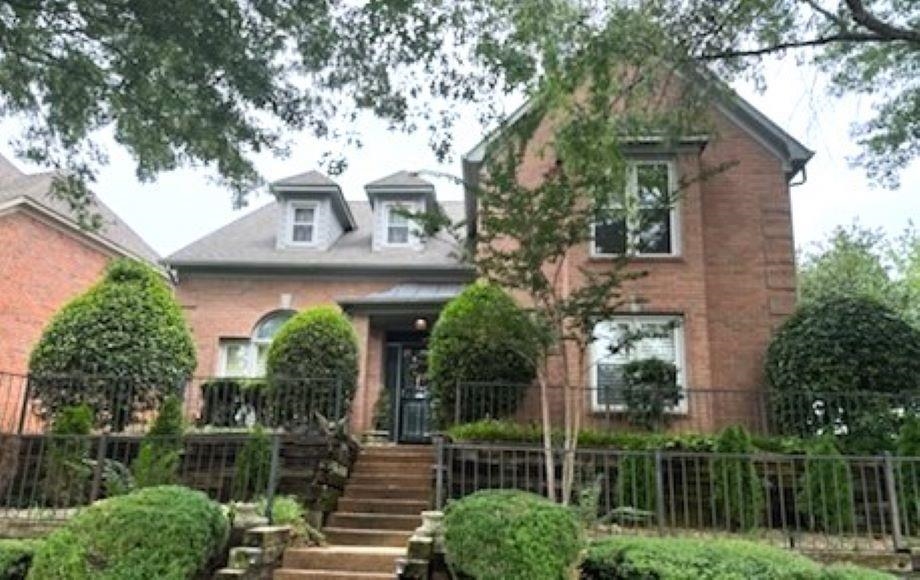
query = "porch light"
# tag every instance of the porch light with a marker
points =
(421, 324)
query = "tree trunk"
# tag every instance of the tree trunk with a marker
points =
(547, 438)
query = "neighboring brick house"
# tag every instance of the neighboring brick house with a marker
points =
(720, 264)
(45, 260)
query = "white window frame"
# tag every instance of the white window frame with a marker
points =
(387, 208)
(599, 351)
(222, 357)
(631, 194)
(292, 212)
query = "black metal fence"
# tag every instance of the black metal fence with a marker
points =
(807, 502)
(126, 406)
(800, 413)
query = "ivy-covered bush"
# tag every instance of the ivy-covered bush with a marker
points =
(511, 535)
(649, 391)
(168, 532)
(827, 353)
(638, 558)
(825, 488)
(482, 336)
(120, 347)
(160, 455)
(67, 471)
(738, 494)
(16, 557)
(313, 355)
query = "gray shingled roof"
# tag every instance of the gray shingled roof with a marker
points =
(37, 188)
(308, 179)
(410, 293)
(251, 242)
(400, 179)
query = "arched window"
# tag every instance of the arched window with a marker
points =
(240, 357)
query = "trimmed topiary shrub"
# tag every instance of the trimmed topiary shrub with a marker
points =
(649, 390)
(16, 557)
(738, 494)
(511, 535)
(169, 533)
(825, 488)
(829, 352)
(120, 347)
(160, 455)
(313, 355)
(637, 558)
(482, 336)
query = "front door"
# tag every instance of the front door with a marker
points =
(407, 382)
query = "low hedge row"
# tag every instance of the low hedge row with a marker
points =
(638, 558)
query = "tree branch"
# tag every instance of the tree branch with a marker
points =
(877, 25)
(779, 47)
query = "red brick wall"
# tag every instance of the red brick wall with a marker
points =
(41, 268)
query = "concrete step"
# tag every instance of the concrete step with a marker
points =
(288, 574)
(358, 537)
(382, 491)
(368, 521)
(391, 480)
(346, 558)
(383, 506)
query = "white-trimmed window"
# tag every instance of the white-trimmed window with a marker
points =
(302, 222)
(241, 357)
(643, 221)
(397, 224)
(628, 338)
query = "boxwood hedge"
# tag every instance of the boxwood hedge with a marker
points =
(167, 532)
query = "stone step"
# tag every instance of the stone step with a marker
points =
(395, 458)
(383, 506)
(359, 537)
(397, 451)
(288, 574)
(386, 492)
(391, 468)
(370, 521)
(391, 481)
(346, 558)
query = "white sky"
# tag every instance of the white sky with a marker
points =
(184, 205)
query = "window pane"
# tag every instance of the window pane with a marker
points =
(269, 327)
(397, 235)
(261, 359)
(395, 216)
(303, 215)
(658, 344)
(652, 185)
(609, 384)
(610, 236)
(653, 231)
(235, 359)
(303, 233)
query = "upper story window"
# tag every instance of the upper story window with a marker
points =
(644, 220)
(240, 357)
(302, 223)
(397, 224)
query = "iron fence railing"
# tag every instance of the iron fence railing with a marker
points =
(806, 502)
(698, 410)
(27, 402)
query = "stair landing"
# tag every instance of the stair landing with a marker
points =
(388, 488)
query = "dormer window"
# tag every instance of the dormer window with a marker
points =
(397, 225)
(302, 223)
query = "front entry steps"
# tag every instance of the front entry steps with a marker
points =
(387, 490)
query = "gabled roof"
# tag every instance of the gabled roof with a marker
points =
(18, 189)
(401, 180)
(316, 182)
(308, 179)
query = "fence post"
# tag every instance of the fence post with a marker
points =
(273, 476)
(439, 474)
(893, 502)
(457, 403)
(97, 469)
(659, 492)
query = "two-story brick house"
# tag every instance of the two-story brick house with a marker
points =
(720, 266)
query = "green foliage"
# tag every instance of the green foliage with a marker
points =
(237, 402)
(252, 466)
(16, 557)
(636, 483)
(482, 336)
(160, 455)
(120, 347)
(738, 494)
(67, 469)
(168, 532)
(637, 558)
(313, 355)
(650, 389)
(288, 511)
(907, 473)
(509, 535)
(828, 352)
(825, 489)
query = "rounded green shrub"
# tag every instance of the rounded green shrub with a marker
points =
(314, 354)
(485, 343)
(16, 557)
(120, 347)
(828, 355)
(511, 535)
(168, 532)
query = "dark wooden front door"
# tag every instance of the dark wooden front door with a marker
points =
(407, 383)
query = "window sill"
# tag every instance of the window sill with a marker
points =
(680, 411)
